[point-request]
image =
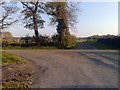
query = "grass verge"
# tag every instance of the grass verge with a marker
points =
(15, 72)
(10, 58)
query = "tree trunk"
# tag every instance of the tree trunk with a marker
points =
(2, 27)
(62, 28)
(35, 26)
(36, 29)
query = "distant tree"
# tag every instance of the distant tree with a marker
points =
(7, 35)
(32, 18)
(7, 38)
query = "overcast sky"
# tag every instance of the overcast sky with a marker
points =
(95, 18)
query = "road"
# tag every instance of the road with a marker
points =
(73, 68)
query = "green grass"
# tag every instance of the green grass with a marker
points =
(31, 47)
(89, 41)
(10, 58)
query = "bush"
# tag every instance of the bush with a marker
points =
(31, 41)
(68, 41)
(55, 40)
(44, 40)
(7, 41)
(26, 41)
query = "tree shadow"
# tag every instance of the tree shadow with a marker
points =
(99, 62)
(102, 54)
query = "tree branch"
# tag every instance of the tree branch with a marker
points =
(27, 6)
(36, 7)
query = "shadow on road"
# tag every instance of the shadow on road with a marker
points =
(99, 61)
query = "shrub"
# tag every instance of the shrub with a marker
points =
(44, 40)
(64, 41)
(55, 40)
(68, 41)
(7, 41)
(26, 41)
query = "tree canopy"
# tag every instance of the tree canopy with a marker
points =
(32, 18)
(62, 13)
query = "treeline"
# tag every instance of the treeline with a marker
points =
(111, 41)
(61, 14)
(67, 42)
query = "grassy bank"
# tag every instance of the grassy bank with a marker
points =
(16, 72)
(10, 59)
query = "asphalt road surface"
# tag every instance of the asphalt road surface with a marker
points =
(73, 68)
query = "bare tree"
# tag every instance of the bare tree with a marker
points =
(1, 3)
(7, 11)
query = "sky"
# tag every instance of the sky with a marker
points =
(95, 18)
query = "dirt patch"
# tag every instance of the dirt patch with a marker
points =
(19, 75)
